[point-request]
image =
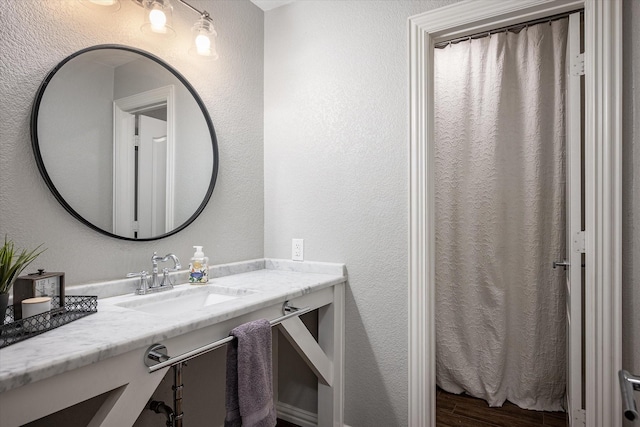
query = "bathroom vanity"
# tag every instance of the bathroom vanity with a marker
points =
(105, 352)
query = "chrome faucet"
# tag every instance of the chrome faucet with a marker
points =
(153, 283)
(154, 270)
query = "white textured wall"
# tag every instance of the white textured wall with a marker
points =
(336, 172)
(34, 39)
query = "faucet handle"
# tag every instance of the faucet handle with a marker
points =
(144, 284)
(167, 280)
(140, 274)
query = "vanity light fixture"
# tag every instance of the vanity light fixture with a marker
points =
(105, 3)
(102, 5)
(158, 21)
(204, 37)
(159, 16)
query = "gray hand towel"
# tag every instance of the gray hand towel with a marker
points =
(249, 401)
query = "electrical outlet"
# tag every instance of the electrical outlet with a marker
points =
(297, 249)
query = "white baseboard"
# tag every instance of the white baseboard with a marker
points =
(296, 415)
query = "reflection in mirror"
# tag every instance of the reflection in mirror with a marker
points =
(144, 181)
(124, 143)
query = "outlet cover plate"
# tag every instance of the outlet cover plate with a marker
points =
(297, 249)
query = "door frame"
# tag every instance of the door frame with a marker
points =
(123, 160)
(603, 143)
(574, 235)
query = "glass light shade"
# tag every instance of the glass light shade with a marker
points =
(101, 5)
(159, 18)
(204, 39)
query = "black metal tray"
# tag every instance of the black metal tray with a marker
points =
(74, 308)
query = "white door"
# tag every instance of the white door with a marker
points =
(124, 174)
(152, 176)
(575, 245)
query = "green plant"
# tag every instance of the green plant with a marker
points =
(12, 263)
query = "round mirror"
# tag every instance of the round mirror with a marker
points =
(124, 142)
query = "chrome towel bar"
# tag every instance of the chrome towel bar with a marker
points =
(156, 358)
(629, 383)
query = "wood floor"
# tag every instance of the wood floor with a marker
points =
(467, 411)
(463, 410)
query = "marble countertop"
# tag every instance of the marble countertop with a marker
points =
(115, 330)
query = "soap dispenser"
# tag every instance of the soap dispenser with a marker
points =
(199, 267)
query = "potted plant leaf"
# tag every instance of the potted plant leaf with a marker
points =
(12, 263)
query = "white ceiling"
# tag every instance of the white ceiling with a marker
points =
(270, 4)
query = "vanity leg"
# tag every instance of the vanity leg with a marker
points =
(124, 404)
(331, 340)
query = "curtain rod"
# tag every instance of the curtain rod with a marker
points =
(514, 28)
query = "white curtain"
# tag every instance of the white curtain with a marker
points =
(500, 220)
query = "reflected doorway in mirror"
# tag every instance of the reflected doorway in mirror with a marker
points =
(144, 170)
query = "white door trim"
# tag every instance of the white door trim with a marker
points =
(122, 170)
(574, 238)
(603, 160)
(603, 70)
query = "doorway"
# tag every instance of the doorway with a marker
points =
(144, 164)
(602, 191)
(501, 104)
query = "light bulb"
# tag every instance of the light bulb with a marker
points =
(101, 5)
(203, 44)
(158, 20)
(204, 38)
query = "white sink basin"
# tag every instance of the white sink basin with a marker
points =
(181, 299)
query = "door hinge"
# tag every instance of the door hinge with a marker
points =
(578, 242)
(136, 141)
(136, 226)
(577, 65)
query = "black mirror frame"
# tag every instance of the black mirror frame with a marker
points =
(45, 175)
